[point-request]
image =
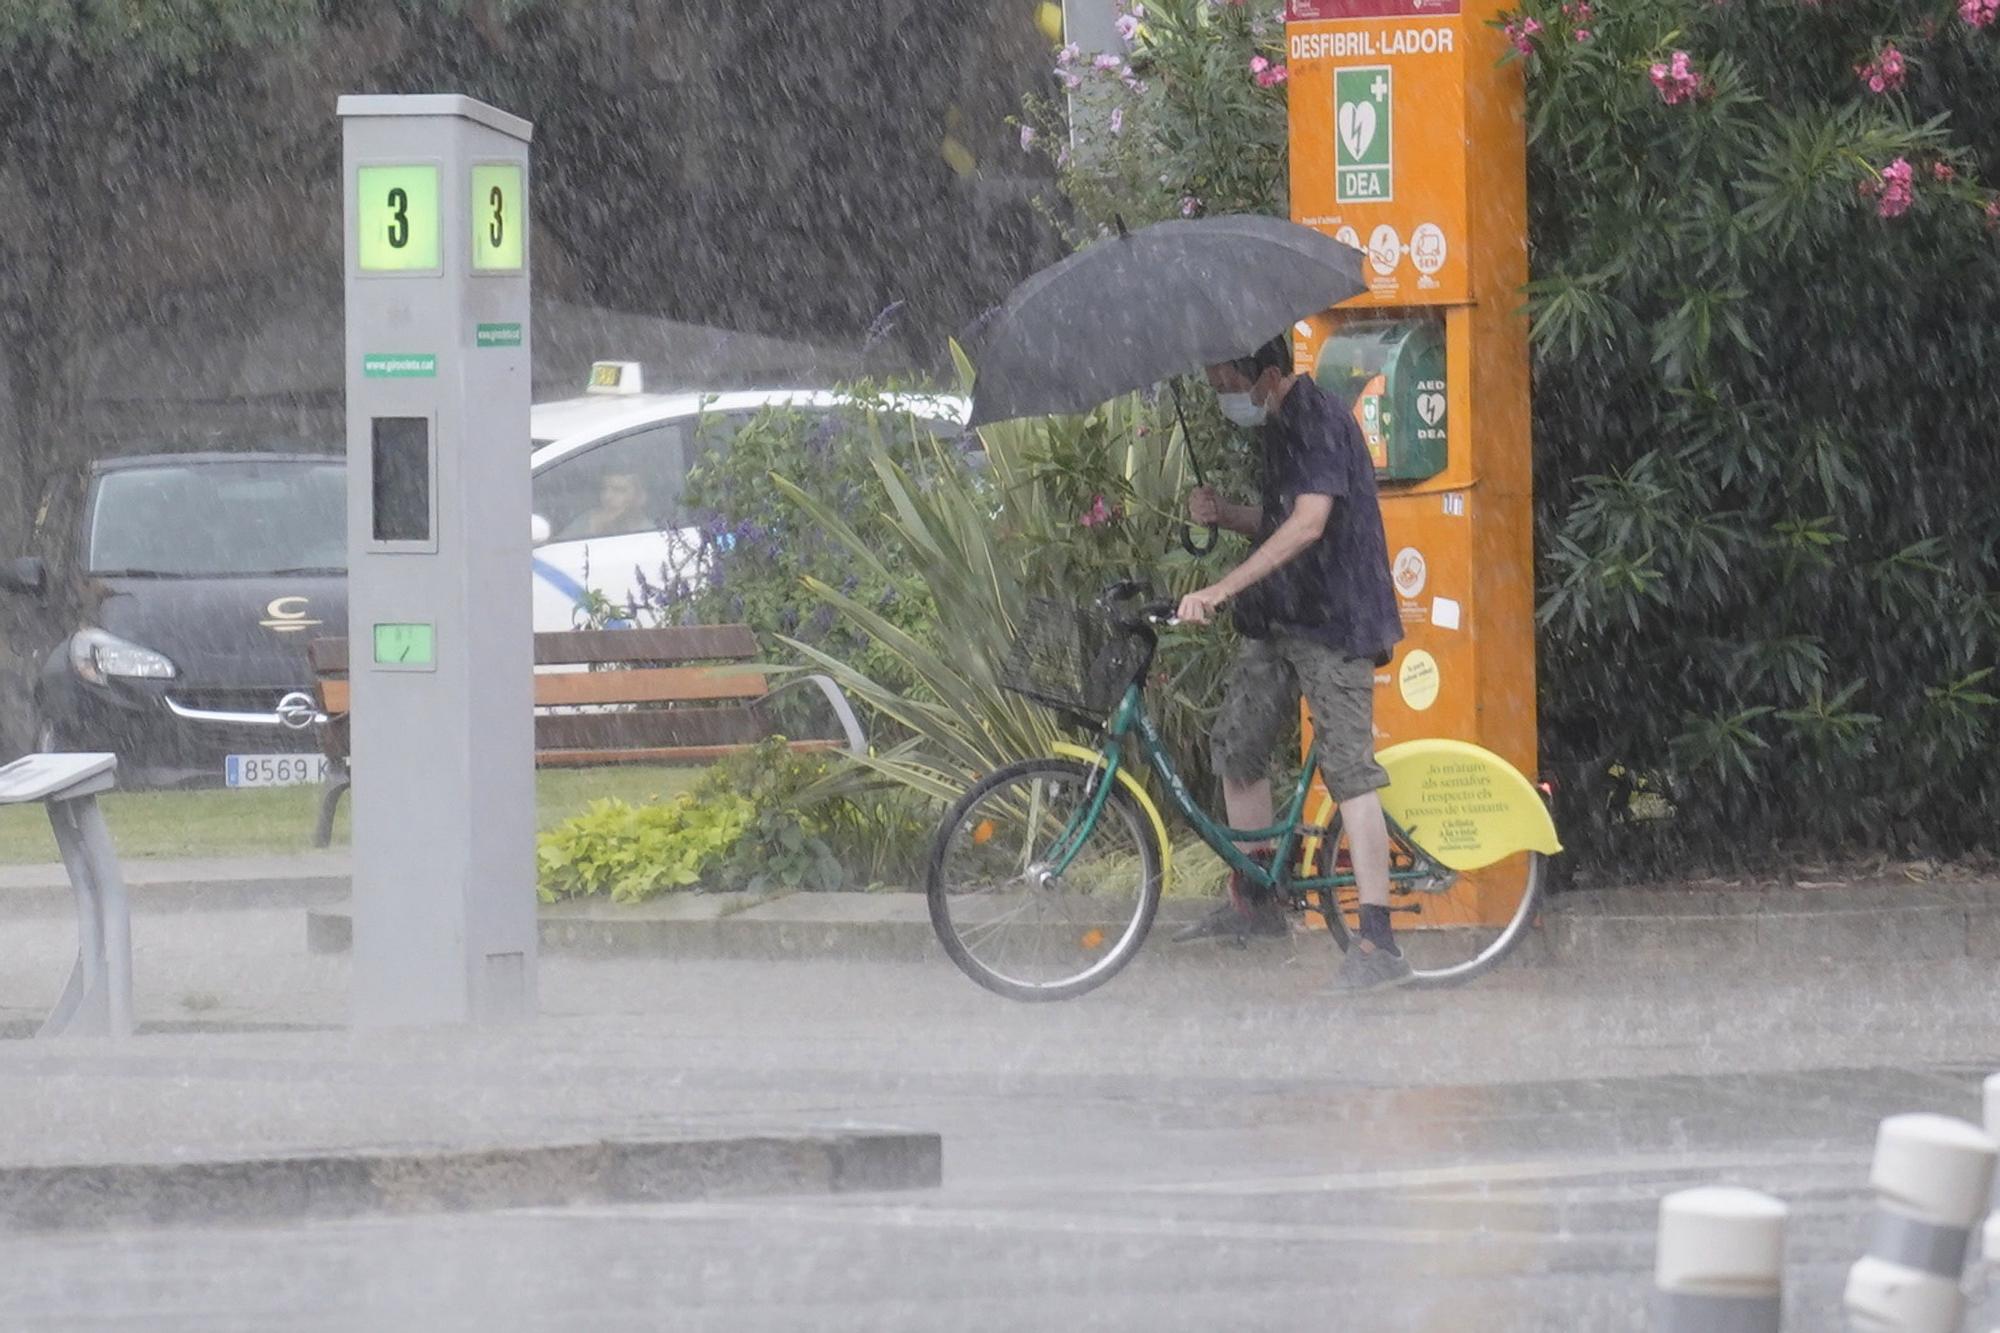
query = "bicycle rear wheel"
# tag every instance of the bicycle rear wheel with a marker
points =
(1451, 925)
(1032, 898)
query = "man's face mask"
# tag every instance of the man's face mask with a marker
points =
(1241, 409)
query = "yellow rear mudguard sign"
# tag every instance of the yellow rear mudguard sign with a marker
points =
(1466, 806)
(1131, 784)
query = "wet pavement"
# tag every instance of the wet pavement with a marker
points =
(1205, 1143)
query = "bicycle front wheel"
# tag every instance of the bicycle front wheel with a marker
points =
(1042, 882)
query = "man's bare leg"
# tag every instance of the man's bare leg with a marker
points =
(1249, 806)
(1368, 845)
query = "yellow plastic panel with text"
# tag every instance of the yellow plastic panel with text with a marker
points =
(1464, 805)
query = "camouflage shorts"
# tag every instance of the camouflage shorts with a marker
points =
(1261, 698)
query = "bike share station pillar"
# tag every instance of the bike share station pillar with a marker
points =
(440, 636)
(1408, 143)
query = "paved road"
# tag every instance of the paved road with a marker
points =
(1201, 1145)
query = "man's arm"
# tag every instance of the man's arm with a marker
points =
(1206, 505)
(1307, 521)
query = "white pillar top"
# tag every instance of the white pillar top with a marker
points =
(1721, 1241)
(436, 104)
(1933, 1168)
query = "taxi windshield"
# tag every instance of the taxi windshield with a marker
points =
(220, 518)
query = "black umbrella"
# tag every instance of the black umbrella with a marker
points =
(1138, 308)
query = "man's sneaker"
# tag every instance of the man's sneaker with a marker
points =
(1371, 969)
(1244, 914)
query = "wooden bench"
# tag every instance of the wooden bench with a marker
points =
(644, 696)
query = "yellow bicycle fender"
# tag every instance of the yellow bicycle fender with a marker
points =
(1466, 806)
(1131, 784)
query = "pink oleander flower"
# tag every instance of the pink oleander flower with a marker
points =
(1189, 205)
(1943, 172)
(1127, 26)
(1993, 211)
(1522, 34)
(1885, 73)
(1098, 514)
(1677, 80)
(1583, 34)
(1258, 64)
(1027, 137)
(1898, 189)
(1062, 157)
(1273, 76)
(1069, 55)
(1979, 13)
(1104, 62)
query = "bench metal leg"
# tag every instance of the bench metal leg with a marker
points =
(329, 804)
(97, 998)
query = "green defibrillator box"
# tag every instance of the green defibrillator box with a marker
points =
(1391, 373)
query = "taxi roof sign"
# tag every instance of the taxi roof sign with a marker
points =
(616, 377)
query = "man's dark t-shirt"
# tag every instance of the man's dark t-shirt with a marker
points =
(1338, 589)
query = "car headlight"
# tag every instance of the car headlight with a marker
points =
(96, 656)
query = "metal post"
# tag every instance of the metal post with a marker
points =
(1932, 1176)
(1990, 1249)
(80, 1009)
(1719, 1266)
(114, 914)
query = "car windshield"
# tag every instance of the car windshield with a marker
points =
(219, 518)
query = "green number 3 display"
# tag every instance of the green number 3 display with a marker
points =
(498, 200)
(399, 229)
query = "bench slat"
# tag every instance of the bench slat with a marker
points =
(651, 729)
(661, 685)
(678, 643)
(683, 754)
(572, 689)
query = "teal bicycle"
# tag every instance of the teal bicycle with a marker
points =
(1045, 877)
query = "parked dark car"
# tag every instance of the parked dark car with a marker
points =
(206, 577)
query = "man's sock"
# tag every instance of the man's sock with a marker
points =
(1375, 928)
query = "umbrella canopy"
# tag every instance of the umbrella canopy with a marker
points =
(1133, 310)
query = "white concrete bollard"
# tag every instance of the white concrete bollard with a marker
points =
(1932, 1178)
(1720, 1262)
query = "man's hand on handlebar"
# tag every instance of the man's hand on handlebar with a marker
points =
(1198, 606)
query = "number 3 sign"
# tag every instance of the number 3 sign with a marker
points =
(498, 224)
(399, 219)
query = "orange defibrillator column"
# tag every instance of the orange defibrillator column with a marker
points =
(1408, 143)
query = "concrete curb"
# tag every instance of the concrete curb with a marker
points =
(318, 879)
(351, 1183)
(1626, 930)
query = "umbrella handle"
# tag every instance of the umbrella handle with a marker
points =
(1187, 440)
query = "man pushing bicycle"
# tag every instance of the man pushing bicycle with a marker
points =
(1317, 611)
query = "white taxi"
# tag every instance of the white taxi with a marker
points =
(609, 470)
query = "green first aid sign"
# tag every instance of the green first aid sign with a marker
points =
(400, 225)
(1364, 168)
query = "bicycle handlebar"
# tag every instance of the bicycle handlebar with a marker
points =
(1153, 613)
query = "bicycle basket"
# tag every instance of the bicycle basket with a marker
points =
(1073, 660)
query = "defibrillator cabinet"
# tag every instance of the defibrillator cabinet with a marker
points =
(1391, 373)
